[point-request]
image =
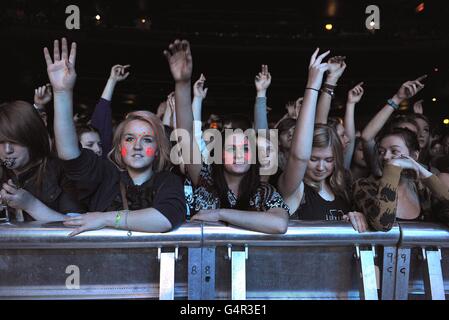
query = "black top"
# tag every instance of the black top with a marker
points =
(163, 192)
(314, 207)
(55, 191)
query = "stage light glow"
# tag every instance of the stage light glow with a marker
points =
(329, 26)
(420, 8)
(98, 17)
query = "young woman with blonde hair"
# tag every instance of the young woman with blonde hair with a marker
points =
(133, 190)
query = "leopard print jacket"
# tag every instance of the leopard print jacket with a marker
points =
(377, 198)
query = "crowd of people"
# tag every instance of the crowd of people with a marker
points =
(152, 172)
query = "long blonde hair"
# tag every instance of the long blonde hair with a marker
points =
(323, 137)
(162, 160)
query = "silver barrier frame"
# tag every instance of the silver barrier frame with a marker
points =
(304, 233)
(430, 238)
(39, 235)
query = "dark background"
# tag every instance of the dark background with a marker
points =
(230, 40)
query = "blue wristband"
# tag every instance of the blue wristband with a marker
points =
(392, 104)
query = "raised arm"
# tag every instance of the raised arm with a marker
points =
(167, 118)
(102, 115)
(262, 82)
(42, 96)
(118, 73)
(180, 61)
(301, 148)
(354, 96)
(406, 91)
(199, 94)
(62, 75)
(337, 66)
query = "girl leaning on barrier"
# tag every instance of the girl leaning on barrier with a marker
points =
(135, 178)
(313, 183)
(406, 191)
(230, 192)
(32, 179)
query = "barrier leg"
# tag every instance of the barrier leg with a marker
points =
(194, 273)
(365, 258)
(238, 273)
(388, 273)
(433, 275)
(167, 274)
(402, 274)
(208, 273)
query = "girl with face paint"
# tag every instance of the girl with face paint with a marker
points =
(132, 189)
(229, 192)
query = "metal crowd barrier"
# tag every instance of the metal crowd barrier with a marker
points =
(40, 261)
(313, 260)
(423, 262)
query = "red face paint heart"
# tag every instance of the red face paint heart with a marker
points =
(150, 152)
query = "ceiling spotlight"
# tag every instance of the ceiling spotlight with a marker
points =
(372, 23)
(97, 17)
(329, 26)
(420, 8)
(434, 99)
(435, 69)
(446, 121)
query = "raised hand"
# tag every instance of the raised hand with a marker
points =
(118, 72)
(317, 69)
(42, 95)
(291, 110)
(61, 71)
(337, 66)
(179, 58)
(410, 88)
(418, 107)
(171, 102)
(263, 79)
(198, 88)
(355, 94)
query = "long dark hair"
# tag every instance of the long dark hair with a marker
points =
(247, 188)
(20, 123)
